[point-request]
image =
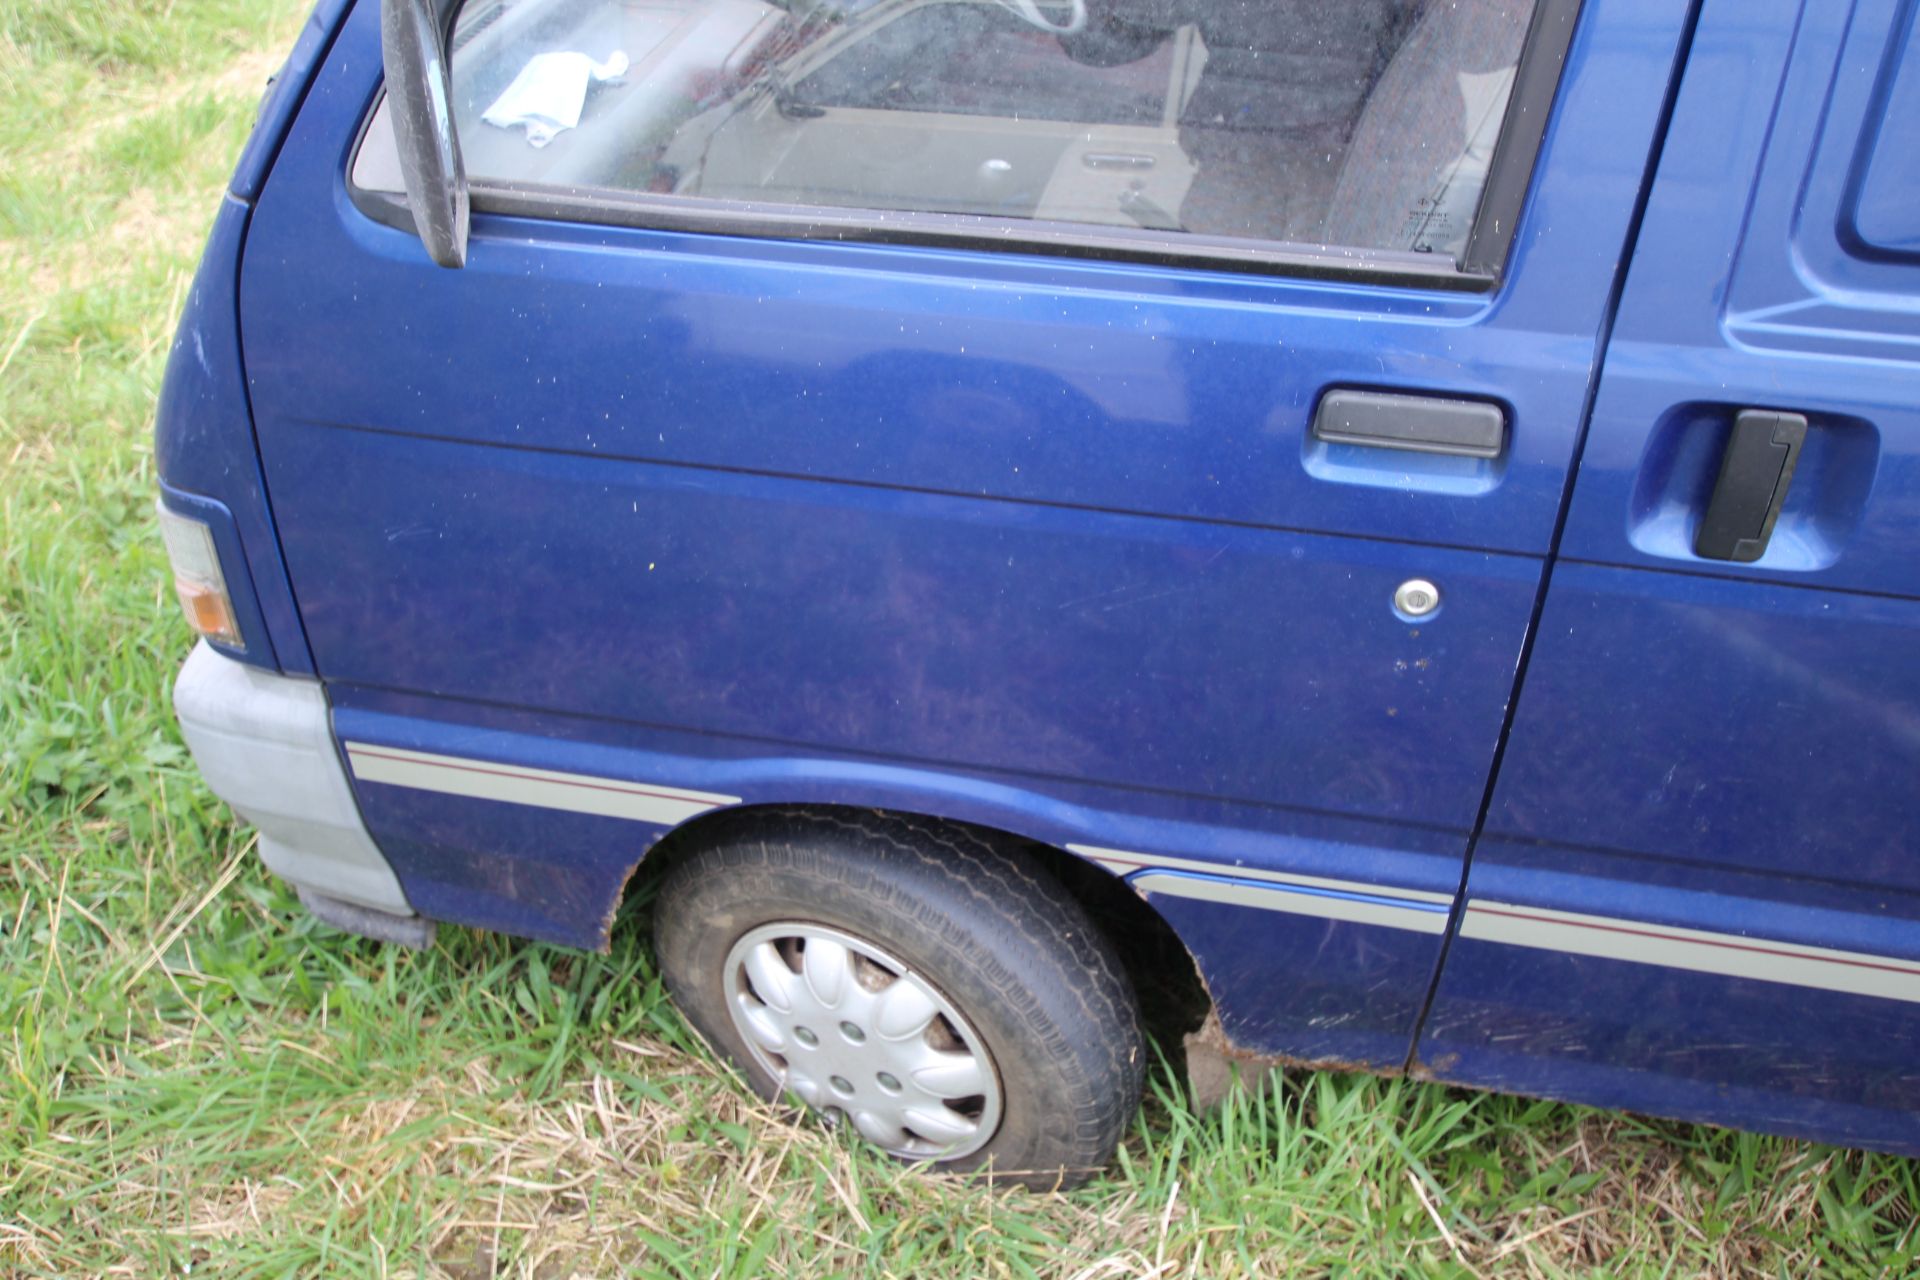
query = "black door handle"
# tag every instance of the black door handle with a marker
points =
(1421, 423)
(1754, 474)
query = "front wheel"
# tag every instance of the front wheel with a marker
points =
(949, 1001)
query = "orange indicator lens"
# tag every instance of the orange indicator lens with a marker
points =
(207, 610)
(197, 577)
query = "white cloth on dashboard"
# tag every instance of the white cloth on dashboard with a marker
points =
(549, 93)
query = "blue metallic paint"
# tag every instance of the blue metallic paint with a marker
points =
(282, 98)
(203, 424)
(1837, 1068)
(1757, 304)
(986, 635)
(1351, 995)
(204, 445)
(1058, 811)
(1739, 726)
(557, 876)
(1719, 746)
(795, 521)
(1165, 391)
(532, 872)
(1308, 989)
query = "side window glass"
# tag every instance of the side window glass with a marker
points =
(1369, 124)
(1886, 209)
(981, 60)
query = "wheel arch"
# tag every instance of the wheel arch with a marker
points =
(1165, 975)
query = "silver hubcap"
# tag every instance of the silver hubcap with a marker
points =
(856, 1034)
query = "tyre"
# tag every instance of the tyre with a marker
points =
(916, 981)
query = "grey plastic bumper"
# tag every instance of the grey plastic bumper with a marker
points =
(263, 743)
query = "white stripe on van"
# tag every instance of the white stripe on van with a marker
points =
(1350, 901)
(542, 788)
(1727, 954)
(1293, 901)
(1122, 862)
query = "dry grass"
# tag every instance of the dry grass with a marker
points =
(692, 1176)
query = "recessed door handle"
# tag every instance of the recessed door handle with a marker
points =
(1755, 472)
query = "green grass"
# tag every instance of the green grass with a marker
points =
(197, 1078)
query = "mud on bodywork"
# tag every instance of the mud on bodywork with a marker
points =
(1216, 1066)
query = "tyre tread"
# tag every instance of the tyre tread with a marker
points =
(1033, 945)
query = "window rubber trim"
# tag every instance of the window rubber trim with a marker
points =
(1543, 59)
(1479, 270)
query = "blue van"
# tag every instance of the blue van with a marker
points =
(1382, 534)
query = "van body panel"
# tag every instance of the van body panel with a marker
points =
(281, 98)
(204, 448)
(1006, 636)
(550, 871)
(1778, 731)
(1715, 748)
(1763, 302)
(1711, 1049)
(1056, 525)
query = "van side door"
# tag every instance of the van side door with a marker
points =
(1698, 891)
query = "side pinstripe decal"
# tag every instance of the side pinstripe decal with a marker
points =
(542, 788)
(1695, 950)
(1348, 901)
(1121, 862)
(1299, 902)
(1538, 928)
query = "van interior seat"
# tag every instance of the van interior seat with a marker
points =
(1284, 83)
(1416, 164)
(1350, 124)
